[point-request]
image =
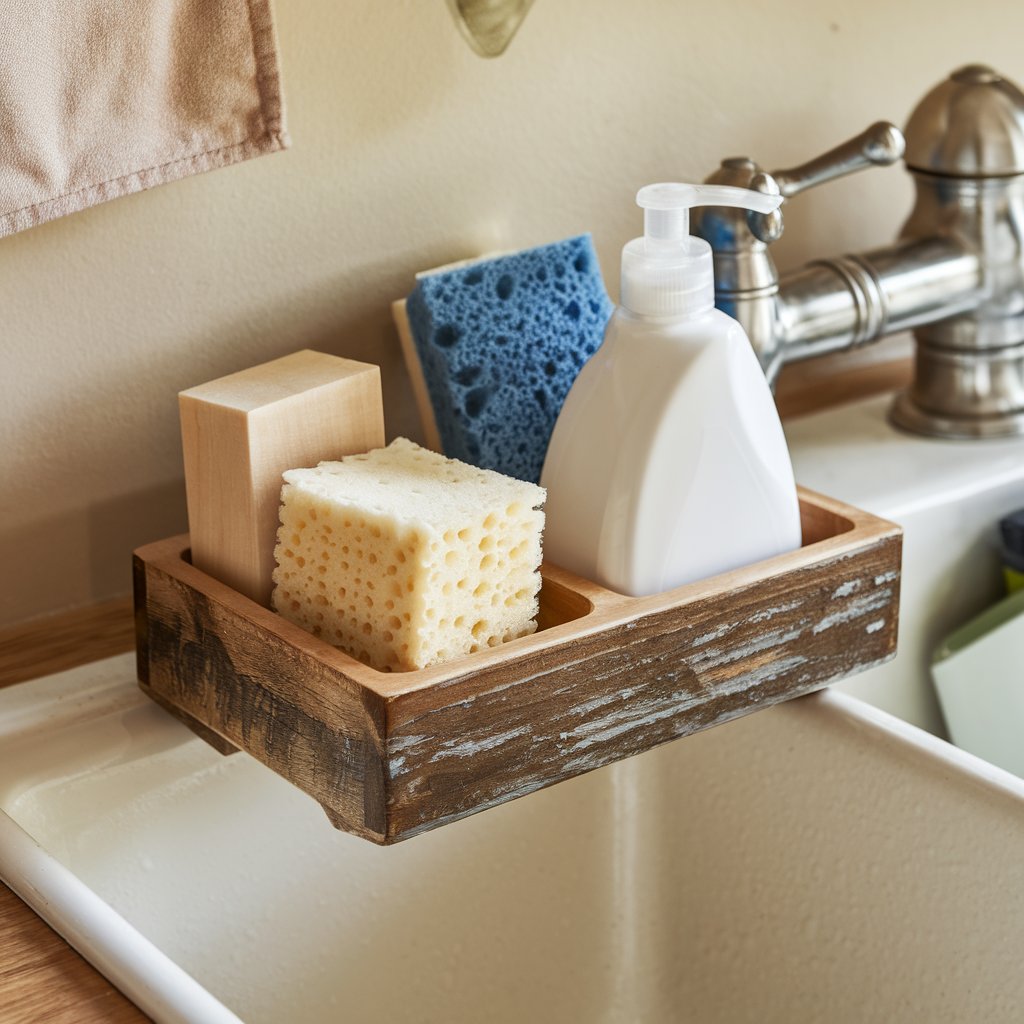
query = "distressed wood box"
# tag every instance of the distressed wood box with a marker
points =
(391, 755)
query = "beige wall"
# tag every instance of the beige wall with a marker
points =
(410, 151)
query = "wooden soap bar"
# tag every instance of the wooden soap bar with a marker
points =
(241, 432)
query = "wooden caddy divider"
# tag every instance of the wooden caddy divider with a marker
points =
(390, 755)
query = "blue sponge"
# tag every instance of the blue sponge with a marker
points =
(500, 342)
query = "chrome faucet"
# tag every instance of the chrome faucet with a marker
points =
(955, 275)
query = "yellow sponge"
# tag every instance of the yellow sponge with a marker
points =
(404, 558)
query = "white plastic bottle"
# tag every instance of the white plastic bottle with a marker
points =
(668, 463)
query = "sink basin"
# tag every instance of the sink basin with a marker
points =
(830, 859)
(948, 496)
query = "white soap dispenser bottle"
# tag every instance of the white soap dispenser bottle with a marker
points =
(668, 463)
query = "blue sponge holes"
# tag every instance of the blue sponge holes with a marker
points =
(503, 289)
(447, 336)
(501, 343)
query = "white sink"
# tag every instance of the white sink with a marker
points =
(823, 860)
(948, 496)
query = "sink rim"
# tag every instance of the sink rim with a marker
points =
(135, 965)
(892, 729)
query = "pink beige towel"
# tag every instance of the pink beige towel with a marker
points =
(100, 98)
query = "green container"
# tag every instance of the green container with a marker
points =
(1011, 528)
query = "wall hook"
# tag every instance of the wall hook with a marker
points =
(489, 25)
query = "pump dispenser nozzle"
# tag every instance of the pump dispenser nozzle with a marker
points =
(669, 272)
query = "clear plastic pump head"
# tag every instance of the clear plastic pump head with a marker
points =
(669, 272)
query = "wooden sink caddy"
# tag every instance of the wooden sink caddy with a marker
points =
(391, 755)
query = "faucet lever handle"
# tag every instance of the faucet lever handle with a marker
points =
(878, 146)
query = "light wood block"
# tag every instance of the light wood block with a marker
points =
(390, 755)
(241, 432)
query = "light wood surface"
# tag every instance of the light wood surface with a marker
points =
(819, 384)
(58, 642)
(390, 755)
(241, 432)
(44, 981)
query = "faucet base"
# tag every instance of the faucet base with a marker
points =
(961, 393)
(905, 415)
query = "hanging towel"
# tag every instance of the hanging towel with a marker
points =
(101, 98)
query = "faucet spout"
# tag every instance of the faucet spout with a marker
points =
(835, 304)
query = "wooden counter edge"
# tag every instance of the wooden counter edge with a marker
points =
(55, 643)
(43, 979)
(815, 385)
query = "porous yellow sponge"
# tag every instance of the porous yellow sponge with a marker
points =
(404, 558)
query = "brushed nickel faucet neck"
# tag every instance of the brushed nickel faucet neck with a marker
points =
(955, 275)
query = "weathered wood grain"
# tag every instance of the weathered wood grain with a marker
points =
(253, 681)
(606, 677)
(636, 685)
